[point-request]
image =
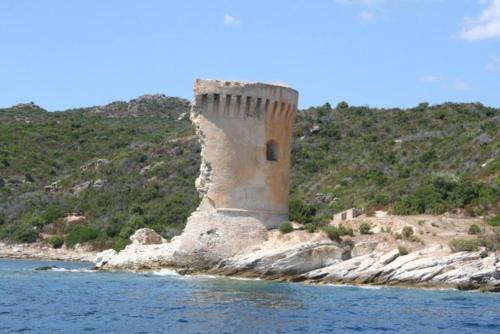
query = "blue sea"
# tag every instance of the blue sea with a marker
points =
(76, 300)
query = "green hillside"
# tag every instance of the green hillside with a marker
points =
(132, 164)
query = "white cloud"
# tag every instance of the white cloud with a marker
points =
(367, 16)
(487, 25)
(431, 78)
(493, 65)
(228, 19)
(462, 85)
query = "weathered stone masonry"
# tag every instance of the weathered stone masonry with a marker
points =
(246, 131)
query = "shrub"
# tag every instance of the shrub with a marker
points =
(136, 209)
(407, 232)
(310, 227)
(300, 211)
(51, 214)
(474, 229)
(56, 241)
(286, 227)
(335, 232)
(82, 233)
(365, 228)
(403, 250)
(346, 231)
(25, 234)
(119, 244)
(464, 245)
(332, 232)
(342, 105)
(35, 221)
(494, 221)
(132, 224)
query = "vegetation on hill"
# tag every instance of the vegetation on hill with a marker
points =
(126, 165)
(428, 159)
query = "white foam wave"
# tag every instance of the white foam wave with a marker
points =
(165, 272)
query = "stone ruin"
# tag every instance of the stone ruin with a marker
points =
(245, 131)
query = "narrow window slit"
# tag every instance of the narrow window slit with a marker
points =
(272, 150)
(204, 102)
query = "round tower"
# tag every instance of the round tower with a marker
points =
(245, 130)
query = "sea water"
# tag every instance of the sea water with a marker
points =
(77, 300)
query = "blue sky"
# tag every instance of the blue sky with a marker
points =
(382, 53)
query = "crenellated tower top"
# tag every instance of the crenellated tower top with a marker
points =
(236, 99)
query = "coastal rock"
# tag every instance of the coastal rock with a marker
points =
(103, 257)
(363, 248)
(146, 236)
(290, 261)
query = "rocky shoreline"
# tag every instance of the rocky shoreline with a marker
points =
(301, 256)
(41, 251)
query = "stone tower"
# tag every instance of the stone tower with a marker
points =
(245, 130)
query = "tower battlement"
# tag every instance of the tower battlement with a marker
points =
(241, 100)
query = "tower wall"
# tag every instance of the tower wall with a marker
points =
(246, 131)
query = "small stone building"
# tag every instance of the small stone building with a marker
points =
(346, 215)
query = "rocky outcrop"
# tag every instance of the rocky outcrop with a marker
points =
(146, 236)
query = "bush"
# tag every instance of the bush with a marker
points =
(407, 232)
(56, 241)
(403, 250)
(133, 223)
(464, 245)
(342, 105)
(335, 232)
(51, 214)
(494, 221)
(310, 227)
(119, 244)
(474, 229)
(300, 211)
(286, 227)
(82, 233)
(365, 228)
(332, 232)
(346, 231)
(25, 234)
